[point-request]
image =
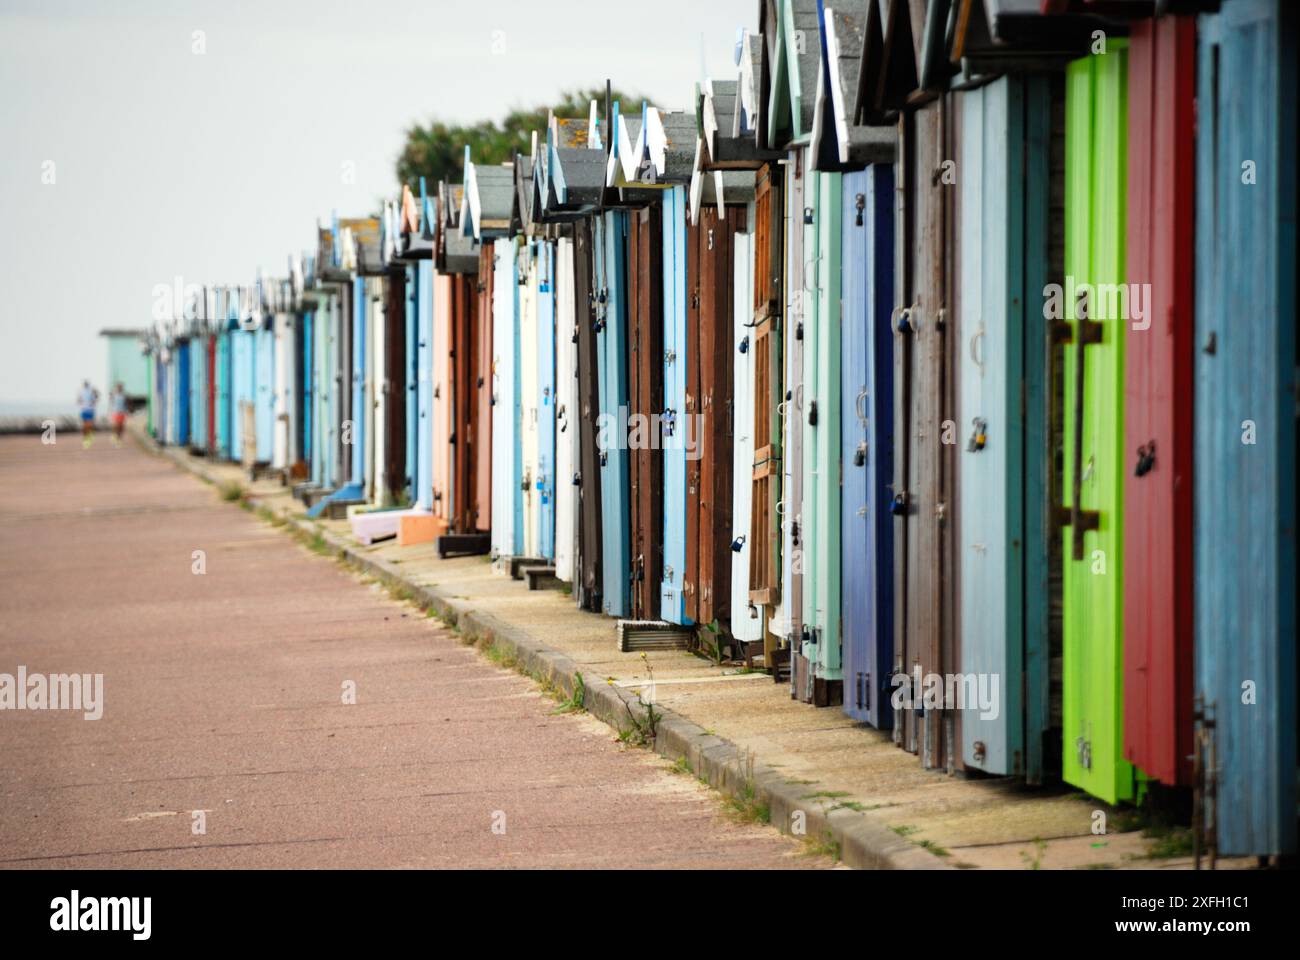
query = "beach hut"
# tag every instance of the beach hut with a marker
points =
(1095, 460)
(223, 397)
(1159, 352)
(569, 182)
(672, 158)
(857, 443)
(1001, 538)
(507, 497)
(128, 363)
(609, 276)
(926, 638)
(567, 453)
(1245, 458)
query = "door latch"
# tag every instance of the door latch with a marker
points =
(1146, 459)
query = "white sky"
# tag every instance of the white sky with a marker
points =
(206, 166)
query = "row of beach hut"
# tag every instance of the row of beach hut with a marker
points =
(940, 360)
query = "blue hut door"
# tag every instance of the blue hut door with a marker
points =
(1245, 456)
(671, 606)
(357, 449)
(223, 395)
(866, 450)
(544, 482)
(611, 321)
(185, 390)
(264, 397)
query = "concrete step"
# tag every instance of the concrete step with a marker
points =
(464, 544)
(519, 564)
(542, 578)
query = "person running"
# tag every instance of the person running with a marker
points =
(117, 409)
(87, 400)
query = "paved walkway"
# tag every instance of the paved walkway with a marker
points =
(835, 763)
(223, 693)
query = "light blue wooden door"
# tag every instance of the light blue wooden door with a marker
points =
(545, 479)
(264, 393)
(671, 606)
(1246, 406)
(1002, 187)
(223, 395)
(360, 415)
(612, 336)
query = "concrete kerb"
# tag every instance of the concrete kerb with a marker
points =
(861, 841)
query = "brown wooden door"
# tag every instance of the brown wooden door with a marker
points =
(925, 468)
(765, 524)
(465, 450)
(645, 400)
(588, 585)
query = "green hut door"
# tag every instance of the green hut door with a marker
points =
(1093, 390)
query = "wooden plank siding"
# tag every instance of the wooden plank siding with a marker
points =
(677, 294)
(395, 385)
(765, 521)
(790, 618)
(692, 425)
(1002, 548)
(1247, 425)
(566, 413)
(747, 619)
(867, 442)
(715, 318)
(1158, 387)
(1096, 125)
(925, 481)
(611, 298)
(589, 581)
(441, 415)
(482, 372)
(645, 402)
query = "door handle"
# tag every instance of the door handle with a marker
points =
(977, 340)
(1084, 333)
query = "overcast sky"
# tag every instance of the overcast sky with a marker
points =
(169, 162)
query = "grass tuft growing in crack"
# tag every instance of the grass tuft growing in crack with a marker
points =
(231, 490)
(645, 727)
(824, 846)
(576, 702)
